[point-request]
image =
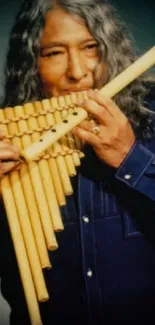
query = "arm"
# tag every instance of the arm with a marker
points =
(130, 162)
(135, 194)
(137, 171)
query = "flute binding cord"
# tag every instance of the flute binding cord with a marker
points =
(34, 194)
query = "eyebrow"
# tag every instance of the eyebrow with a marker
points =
(51, 44)
(56, 44)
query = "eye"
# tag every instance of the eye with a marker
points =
(91, 46)
(53, 53)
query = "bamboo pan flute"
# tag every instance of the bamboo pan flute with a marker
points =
(34, 194)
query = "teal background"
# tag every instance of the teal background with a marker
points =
(140, 17)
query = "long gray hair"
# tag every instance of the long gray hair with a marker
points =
(116, 50)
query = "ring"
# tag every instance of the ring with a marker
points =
(95, 129)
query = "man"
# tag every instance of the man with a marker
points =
(104, 268)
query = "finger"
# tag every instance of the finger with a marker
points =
(8, 166)
(7, 144)
(7, 141)
(87, 125)
(8, 154)
(86, 136)
(8, 151)
(107, 102)
(98, 111)
(2, 134)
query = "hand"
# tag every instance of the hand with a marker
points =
(115, 137)
(9, 155)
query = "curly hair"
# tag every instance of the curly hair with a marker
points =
(23, 83)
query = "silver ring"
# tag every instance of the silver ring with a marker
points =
(95, 129)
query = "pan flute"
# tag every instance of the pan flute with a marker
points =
(34, 194)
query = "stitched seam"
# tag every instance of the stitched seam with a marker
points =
(128, 223)
(143, 171)
(95, 259)
(82, 246)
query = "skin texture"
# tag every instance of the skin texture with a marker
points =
(67, 62)
(115, 138)
(68, 58)
(69, 55)
(9, 155)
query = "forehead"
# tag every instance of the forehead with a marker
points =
(63, 27)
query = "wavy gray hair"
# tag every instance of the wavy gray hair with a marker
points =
(116, 50)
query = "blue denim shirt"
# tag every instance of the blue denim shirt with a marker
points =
(104, 269)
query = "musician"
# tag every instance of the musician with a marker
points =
(104, 269)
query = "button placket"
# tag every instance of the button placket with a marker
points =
(88, 247)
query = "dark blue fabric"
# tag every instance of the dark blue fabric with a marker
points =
(104, 269)
(123, 268)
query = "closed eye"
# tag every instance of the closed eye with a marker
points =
(91, 46)
(52, 53)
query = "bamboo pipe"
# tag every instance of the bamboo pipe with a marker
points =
(67, 109)
(65, 179)
(68, 138)
(45, 175)
(29, 195)
(37, 184)
(58, 119)
(19, 246)
(27, 232)
(52, 160)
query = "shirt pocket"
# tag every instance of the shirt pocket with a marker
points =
(129, 226)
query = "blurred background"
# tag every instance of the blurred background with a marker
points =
(139, 16)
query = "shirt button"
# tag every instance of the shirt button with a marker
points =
(89, 273)
(127, 176)
(85, 219)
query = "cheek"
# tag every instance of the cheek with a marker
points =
(100, 75)
(91, 63)
(50, 73)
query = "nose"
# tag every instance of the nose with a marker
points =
(77, 68)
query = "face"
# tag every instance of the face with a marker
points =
(68, 55)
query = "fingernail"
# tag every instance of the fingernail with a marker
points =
(74, 130)
(90, 92)
(16, 149)
(2, 131)
(80, 102)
